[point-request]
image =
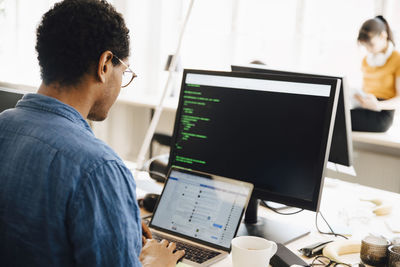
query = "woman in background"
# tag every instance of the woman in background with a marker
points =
(381, 78)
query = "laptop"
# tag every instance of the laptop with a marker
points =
(201, 213)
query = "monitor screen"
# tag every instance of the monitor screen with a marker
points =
(9, 98)
(269, 130)
(341, 151)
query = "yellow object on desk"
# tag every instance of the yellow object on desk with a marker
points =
(381, 207)
(336, 249)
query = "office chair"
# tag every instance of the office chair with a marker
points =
(157, 166)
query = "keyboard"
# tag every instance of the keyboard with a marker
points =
(193, 253)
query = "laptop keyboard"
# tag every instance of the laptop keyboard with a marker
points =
(192, 253)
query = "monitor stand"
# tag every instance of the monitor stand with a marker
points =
(272, 230)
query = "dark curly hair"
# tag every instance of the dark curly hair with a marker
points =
(72, 36)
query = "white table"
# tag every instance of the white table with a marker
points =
(340, 204)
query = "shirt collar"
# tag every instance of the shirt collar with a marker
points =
(50, 104)
(378, 60)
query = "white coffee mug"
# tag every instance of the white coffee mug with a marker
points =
(252, 251)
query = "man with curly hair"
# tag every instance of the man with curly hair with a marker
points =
(66, 198)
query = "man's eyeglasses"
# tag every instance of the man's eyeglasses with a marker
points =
(322, 261)
(128, 75)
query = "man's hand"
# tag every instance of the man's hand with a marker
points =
(146, 233)
(156, 254)
(368, 101)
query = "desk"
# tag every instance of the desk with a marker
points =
(340, 204)
(389, 141)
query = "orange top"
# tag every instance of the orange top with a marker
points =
(381, 81)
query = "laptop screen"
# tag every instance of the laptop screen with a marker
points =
(202, 207)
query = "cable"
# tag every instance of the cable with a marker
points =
(326, 233)
(264, 203)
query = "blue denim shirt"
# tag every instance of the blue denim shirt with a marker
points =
(66, 198)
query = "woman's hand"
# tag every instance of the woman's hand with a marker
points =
(368, 101)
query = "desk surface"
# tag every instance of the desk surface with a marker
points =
(389, 139)
(341, 205)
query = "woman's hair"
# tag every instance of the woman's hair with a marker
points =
(373, 27)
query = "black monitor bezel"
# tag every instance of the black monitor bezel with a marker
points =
(348, 160)
(327, 132)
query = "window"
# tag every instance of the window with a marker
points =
(18, 22)
(307, 35)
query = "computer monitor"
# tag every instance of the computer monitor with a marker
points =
(9, 98)
(342, 145)
(271, 130)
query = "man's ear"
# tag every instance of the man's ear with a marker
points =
(104, 66)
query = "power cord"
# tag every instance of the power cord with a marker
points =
(265, 204)
(330, 228)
